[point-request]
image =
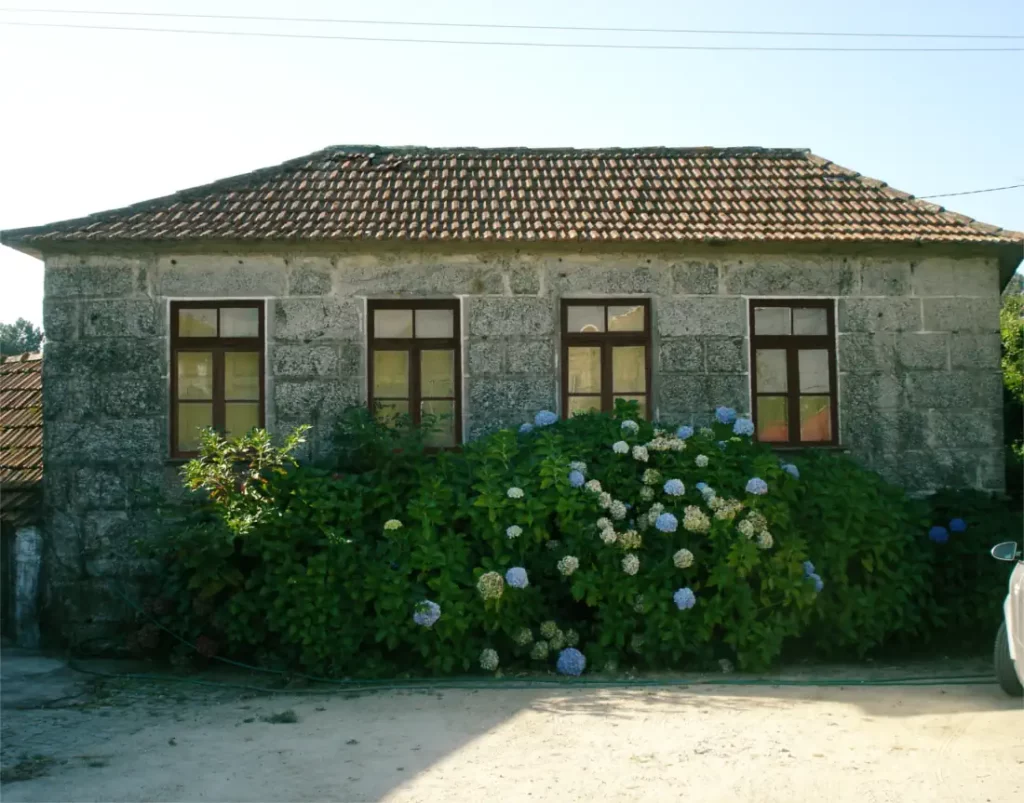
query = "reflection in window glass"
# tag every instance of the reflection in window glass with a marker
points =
(626, 319)
(771, 370)
(241, 375)
(195, 375)
(387, 411)
(392, 323)
(442, 421)
(640, 400)
(391, 373)
(629, 369)
(437, 373)
(192, 418)
(772, 321)
(240, 417)
(239, 322)
(584, 404)
(586, 319)
(813, 371)
(815, 418)
(435, 323)
(810, 321)
(197, 322)
(585, 369)
(773, 419)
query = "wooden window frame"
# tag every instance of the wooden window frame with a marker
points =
(415, 346)
(792, 345)
(218, 346)
(606, 340)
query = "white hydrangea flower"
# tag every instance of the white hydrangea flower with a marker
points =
(594, 486)
(716, 503)
(765, 540)
(695, 520)
(572, 638)
(729, 510)
(578, 465)
(632, 427)
(651, 476)
(392, 524)
(606, 500)
(557, 641)
(640, 453)
(701, 460)
(620, 447)
(568, 565)
(630, 539)
(647, 493)
(548, 628)
(513, 532)
(683, 559)
(515, 493)
(757, 518)
(707, 432)
(631, 564)
(656, 510)
(609, 536)
(523, 636)
(746, 527)
(603, 523)
(618, 510)
(489, 660)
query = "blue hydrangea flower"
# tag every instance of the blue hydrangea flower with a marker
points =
(725, 415)
(527, 427)
(722, 445)
(792, 470)
(743, 426)
(516, 577)
(808, 568)
(757, 486)
(684, 432)
(576, 479)
(667, 523)
(426, 613)
(684, 599)
(571, 662)
(957, 526)
(545, 418)
(700, 486)
(632, 427)
(675, 488)
(939, 535)
(818, 582)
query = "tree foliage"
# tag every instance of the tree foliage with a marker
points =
(19, 337)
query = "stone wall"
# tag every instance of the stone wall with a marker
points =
(918, 353)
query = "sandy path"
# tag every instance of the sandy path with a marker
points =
(963, 743)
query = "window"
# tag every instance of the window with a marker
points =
(606, 354)
(216, 370)
(793, 368)
(414, 365)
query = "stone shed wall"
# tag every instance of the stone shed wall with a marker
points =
(918, 354)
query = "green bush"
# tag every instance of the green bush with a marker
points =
(335, 569)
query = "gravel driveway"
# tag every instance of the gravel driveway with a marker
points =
(130, 741)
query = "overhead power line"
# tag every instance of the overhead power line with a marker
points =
(516, 27)
(972, 192)
(569, 45)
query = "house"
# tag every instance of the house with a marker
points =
(486, 284)
(21, 497)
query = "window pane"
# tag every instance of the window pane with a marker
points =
(388, 411)
(586, 319)
(391, 373)
(771, 370)
(626, 319)
(239, 322)
(813, 371)
(242, 375)
(771, 321)
(195, 375)
(434, 323)
(584, 369)
(584, 404)
(239, 418)
(815, 418)
(442, 423)
(773, 419)
(810, 321)
(437, 373)
(392, 323)
(191, 419)
(629, 370)
(197, 322)
(641, 400)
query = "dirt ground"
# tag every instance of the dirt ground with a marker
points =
(85, 739)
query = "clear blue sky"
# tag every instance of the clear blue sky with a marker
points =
(93, 120)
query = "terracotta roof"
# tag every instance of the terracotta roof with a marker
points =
(511, 194)
(21, 421)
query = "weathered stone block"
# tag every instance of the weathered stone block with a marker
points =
(85, 276)
(961, 314)
(881, 278)
(868, 391)
(67, 398)
(623, 277)
(511, 316)
(316, 319)
(100, 488)
(879, 315)
(523, 280)
(765, 276)
(991, 469)
(127, 439)
(701, 315)
(931, 469)
(948, 276)
(682, 354)
(919, 350)
(942, 389)
(969, 429)
(691, 393)
(868, 430)
(222, 277)
(121, 318)
(534, 357)
(695, 278)
(309, 277)
(726, 355)
(60, 319)
(974, 351)
(305, 360)
(141, 358)
(485, 356)
(315, 402)
(409, 278)
(127, 397)
(496, 403)
(866, 353)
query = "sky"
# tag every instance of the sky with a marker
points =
(91, 120)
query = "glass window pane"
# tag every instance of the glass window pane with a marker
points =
(191, 419)
(391, 373)
(810, 321)
(197, 322)
(195, 375)
(626, 319)
(434, 323)
(773, 419)
(388, 411)
(239, 322)
(442, 421)
(641, 400)
(771, 370)
(815, 418)
(392, 323)
(437, 373)
(584, 404)
(813, 371)
(239, 418)
(584, 369)
(771, 321)
(586, 319)
(242, 375)
(629, 369)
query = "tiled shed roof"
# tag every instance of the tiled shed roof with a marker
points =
(551, 195)
(21, 425)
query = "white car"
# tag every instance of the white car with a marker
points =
(1009, 651)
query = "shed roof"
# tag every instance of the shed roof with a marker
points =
(21, 436)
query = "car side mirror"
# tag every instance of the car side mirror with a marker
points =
(1005, 551)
